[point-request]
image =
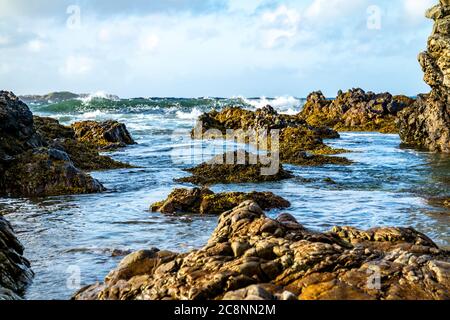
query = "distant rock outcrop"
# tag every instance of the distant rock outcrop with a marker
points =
(15, 272)
(252, 257)
(426, 124)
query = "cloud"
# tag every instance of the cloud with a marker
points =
(281, 24)
(415, 9)
(76, 66)
(148, 42)
(58, 8)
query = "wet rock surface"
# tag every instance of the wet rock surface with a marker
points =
(15, 271)
(241, 167)
(296, 137)
(355, 110)
(250, 256)
(84, 155)
(204, 201)
(40, 157)
(426, 124)
(107, 135)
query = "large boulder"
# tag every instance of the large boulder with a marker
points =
(29, 166)
(15, 272)
(204, 201)
(426, 124)
(107, 135)
(355, 110)
(250, 256)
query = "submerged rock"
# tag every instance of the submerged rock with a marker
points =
(426, 124)
(355, 110)
(15, 271)
(255, 127)
(107, 135)
(250, 256)
(228, 168)
(29, 166)
(204, 201)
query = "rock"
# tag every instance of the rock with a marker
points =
(38, 173)
(355, 110)
(84, 155)
(251, 169)
(280, 259)
(15, 271)
(440, 201)
(106, 135)
(29, 165)
(426, 124)
(204, 201)
(295, 136)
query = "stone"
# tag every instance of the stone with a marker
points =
(296, 263)
(426, 123)
(204, 201)
(296, 137)
(29, 166)
(251, 169)
(107, 135)
(15, 271)
(355, 110)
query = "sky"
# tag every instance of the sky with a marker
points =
(215, 48)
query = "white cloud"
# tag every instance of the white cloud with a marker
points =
(148, 42)
(281, 24)
(415, 9)
(77, 65)
(35, 45)
(327, 9)
(4, 40)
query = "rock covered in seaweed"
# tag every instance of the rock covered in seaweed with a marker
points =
(28, 165)
(355, 110)
(237, 167)
(107, 135)
(296, 137)
(84, 155)
(250, 256)
(15, 271)
(426, 124)
(204, 201)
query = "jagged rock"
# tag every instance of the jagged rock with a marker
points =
(84, 155)
(228, 168)
(204, 201)
(250, 256)
(107, 135)
(15, 271)
(426, 124)
(28, 165)
(295, 136)
(355, 110)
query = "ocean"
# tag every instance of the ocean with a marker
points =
(76, 237)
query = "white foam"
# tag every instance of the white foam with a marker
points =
(98, 95)
(193, 115)
(283, 104)
(92, 114)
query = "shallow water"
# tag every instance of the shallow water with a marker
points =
(73, 237)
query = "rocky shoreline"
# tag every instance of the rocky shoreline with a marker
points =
(252, 257)
(249, 255)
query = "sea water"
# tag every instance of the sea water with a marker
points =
(71, 241)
